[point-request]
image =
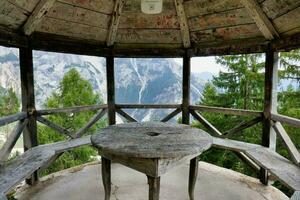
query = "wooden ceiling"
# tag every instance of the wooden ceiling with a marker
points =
(183, 24)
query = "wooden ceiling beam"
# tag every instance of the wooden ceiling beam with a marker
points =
(262, 21)
(37, 15)
(113, 29)
(184, 27)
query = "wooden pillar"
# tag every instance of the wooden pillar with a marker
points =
(186, 89)
(28, 103)
(110, 78)
(270, 104)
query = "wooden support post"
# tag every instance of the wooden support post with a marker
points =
(28, 103)
(186, 89)
(270, 104)
(110, 78)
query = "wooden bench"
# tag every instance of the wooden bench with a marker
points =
(280, 167)
(17, 170)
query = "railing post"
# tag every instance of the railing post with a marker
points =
(270, 104)
(110, 78)
(186, 89)
(28, 103)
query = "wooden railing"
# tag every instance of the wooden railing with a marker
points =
(194, 110)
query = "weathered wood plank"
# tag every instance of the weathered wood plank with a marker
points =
(11, 140)
(227, 111)
(71, 29)
(203, 7)
(126, 116)
(285, 119)
(244, 125)
(148, 106)
(12, 118)
(206, 123)
(149, 36)
(37, 16)
(277, 165)
(295, 155)
(184, 26)
(296, 196)
(171, 115)
(220, 20)
(102, 6)
(226, 34)
(54, 126)
(262, 21)
(233, 145)
(92, 121)
(275, 9)
(151, 140)
(114, 24)
(27, 5)
(287, 22)
(11, 16)
(79, 15)
(74, 109)
(15, 171)
(164, 20)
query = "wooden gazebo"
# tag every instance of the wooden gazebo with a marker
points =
(118, 28)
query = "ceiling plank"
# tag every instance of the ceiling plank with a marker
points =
(261, 19)
(184, 27)
(113, 29)
(37, 15)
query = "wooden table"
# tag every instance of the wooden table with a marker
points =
(151, 148)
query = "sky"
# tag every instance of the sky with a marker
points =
(203, 64)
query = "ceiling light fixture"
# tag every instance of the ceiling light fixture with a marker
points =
(151, 6)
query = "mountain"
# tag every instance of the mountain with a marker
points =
(137, 80)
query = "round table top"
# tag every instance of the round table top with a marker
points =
(151, 140)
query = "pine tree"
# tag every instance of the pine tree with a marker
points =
(73, 91)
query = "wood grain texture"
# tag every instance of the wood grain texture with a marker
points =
(74, 109)
(12, 140)
(184, 26)
(37, 16)
(286, 119)
(102, 6)
(154, 187)
(11, 15)
(151, 140)
(275, 9)
(227, 111)
(12, 118)
(260, 18)
(220, 20)
(15, 171)
(294, 153)
(79, 15)
(71, 29)
(114, 23)
(280, 167)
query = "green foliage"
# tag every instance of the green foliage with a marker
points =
(73, 91)
(9, 102)
(242, 86)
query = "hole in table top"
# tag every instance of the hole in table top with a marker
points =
(152, 134)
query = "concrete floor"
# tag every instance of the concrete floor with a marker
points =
(84, 183)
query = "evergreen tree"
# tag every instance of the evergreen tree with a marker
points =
(73, 91)
(9, 103)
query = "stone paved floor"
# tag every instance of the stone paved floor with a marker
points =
(214, 183)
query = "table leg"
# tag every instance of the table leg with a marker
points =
(106, 176)
(154, 187)
(193, 177)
